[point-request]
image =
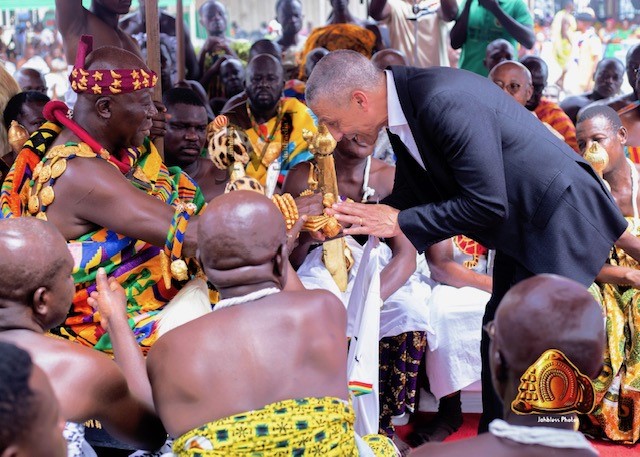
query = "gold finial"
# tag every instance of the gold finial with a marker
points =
(597, 156)
(17, 136)
(321, 143)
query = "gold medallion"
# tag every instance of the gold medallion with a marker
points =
(83, 150)
(45, 174)
(42, 216)
(58, 168)
(47, 196)
(36, 171)
(34, 204)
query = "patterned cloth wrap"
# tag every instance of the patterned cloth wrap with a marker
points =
(294, 152)
(617, 414)
(134, 263)
(307, 426)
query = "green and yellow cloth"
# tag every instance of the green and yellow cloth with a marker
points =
(300, 427)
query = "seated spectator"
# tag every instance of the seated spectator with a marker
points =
(273, 124)
(546, 110)
(607, 82)
(287, 392)
(403, 317)
(461, 271)
(26, 109)
(29, 79)
(497, 51)
(36, 290)
(185, 139)
(30, 420)
(617, 398)
(232, 80)
(547, 335)
(289, 16)
(627, 106)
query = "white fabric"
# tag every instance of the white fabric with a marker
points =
(397, 121)
(455, 328)
(70, 97)
(77, 446)
(404, 311)
(190, 303)
(362, 361)
(543, 436)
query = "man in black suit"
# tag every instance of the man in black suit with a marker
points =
(471, 161)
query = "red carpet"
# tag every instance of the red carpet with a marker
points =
(470, 427)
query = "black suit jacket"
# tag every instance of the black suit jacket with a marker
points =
(495, 173)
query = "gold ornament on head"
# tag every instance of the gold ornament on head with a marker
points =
(552, 384)
(597, 156)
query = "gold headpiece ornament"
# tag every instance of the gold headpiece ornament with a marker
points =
(17, 136)
(107, 82)
(554, 385)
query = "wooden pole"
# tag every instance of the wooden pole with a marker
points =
(153, 55)
(180, 40)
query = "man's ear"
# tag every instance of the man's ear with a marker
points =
(360, 98)
(40, 301)
(281, 264)
(623, 135)
(103, 107)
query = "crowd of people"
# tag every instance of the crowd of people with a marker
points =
(334, 223)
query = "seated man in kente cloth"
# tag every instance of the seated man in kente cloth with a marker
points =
(272, 122)
(104, 186)
(617, 287)
(281, 356)
(547, 340)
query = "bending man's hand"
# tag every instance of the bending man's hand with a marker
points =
(378, 220)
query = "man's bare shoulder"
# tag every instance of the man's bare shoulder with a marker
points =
(618, 102)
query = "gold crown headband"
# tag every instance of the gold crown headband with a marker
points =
(107, 82)
(553, 384)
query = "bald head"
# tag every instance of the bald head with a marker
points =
(550, 312)
(32, 251)
(30, 80)
(514, 78)
(387, 57)
(239, 229)
(312, 58)
(338, 74)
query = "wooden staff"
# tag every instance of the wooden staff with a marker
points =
(180, 40)
(153, 56)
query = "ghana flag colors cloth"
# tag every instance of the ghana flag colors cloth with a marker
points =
(134, 263)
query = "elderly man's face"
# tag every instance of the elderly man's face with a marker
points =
(132, 117)
(513, 80)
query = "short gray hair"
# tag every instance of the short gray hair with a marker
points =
(338, 74)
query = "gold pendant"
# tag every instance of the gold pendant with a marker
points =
(34, 204)
(47, 196)
(45, 174)
(58, 168)
(36, 171)
(42, 216)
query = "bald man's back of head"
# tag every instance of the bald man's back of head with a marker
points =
(31, 252)
(239, 229)
(550, 312)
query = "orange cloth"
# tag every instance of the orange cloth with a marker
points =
(634, 153)
(339, 36)
(551, 113)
